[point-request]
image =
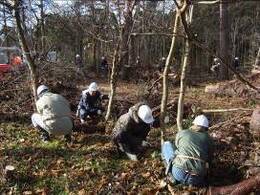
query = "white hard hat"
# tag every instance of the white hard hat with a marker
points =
(145, 113)
(41, 89)
(202, 121)
(215, 59)
(236, 58)
(77, 55)
(93, 87)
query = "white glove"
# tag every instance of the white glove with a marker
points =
(145, 143)
(99, 112)
(132, 157)
(77, 113)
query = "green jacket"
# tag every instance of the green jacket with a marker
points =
(196, 144)
(55, 111)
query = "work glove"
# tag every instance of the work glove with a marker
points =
(145, 144)
(77, 113)
(99, 112)
(132, 157)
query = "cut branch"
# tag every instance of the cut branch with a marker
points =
(226, 110)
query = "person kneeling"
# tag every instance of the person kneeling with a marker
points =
(131, 130)
(187, 161)
(90, 103)
(54, 115)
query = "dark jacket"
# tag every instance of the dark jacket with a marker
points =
(89, 102)
(130, 131)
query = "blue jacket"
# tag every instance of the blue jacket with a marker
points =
(89, 102)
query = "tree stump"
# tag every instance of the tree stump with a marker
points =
(255, 123)
(9, 172)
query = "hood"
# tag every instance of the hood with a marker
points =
(133, 112)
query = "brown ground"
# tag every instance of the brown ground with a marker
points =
(92, 165)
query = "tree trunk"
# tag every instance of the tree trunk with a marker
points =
(166, 70)
(113, 81)
(42, 27)
(188, 17)
(241, 188)
(224, 39)
(25, 49)
(257, 60)
(120, 53)
(183, 85)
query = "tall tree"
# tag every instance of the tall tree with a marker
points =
(224, 37)
(166, 69)
(17, 7)
(121, 51)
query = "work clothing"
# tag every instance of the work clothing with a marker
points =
(54, 114)
(188, 159)
(89, 105)
(130, 131)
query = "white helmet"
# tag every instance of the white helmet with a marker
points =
(236, 58)
(215, 59)
(145, 113)
(202, 121)
(77, 56)
(93, 87)
(41, 89)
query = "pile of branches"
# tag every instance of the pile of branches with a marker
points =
(235, 88)
(233, 147)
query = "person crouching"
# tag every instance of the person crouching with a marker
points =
(131, 130)
(53, 115)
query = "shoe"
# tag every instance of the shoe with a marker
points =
(67, 138)
(82, 121)
(45, 138)
(132, 157)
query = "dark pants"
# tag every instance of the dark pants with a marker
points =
(129, 143)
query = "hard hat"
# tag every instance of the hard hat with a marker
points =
(93, 87)
(77, 55)
(163, 58)
(236, 58)
(215, 59)
(202, 121)
(145, 113)
(41, 89)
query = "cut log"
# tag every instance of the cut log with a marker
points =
(242, 188)
(255, 123)
(212, 89)
(9, 172)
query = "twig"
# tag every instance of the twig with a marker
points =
(226, 110)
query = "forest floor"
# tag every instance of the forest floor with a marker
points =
(91, 164)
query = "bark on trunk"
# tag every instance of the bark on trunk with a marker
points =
(183, 85)
(257, 60)
(120, 54)
(166, 70)
(25, 48)
(241, 188)
(224, 40)
(113, 81)
(188, 18)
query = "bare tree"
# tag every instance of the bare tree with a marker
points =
(25, 49)
(166, 70)
(120, 51)
(257, 60)
(187, 16)
(224, 37)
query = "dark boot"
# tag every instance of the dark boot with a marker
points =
(67, 138)
(45, 137)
